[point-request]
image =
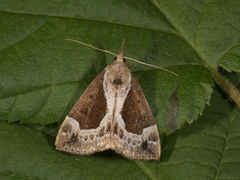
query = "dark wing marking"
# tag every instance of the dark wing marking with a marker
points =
(91, 106)
(136, 112)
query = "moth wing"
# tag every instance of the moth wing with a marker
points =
(135, 132)
(86, 128)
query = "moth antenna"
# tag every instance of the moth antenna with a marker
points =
(146, 64)
(109, 52)
(121, 55)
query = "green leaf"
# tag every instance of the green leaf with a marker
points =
(42, 76)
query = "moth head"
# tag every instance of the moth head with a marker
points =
(115, 58)
(120, 57)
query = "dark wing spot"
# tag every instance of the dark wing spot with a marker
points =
(102, 132)
(108, 128)
(73, 139)
(121, 134)
(91, 137)
(129, 140)
(66, 144)
(67, 128)
(90, 96)
(115, 129)
(154, 139)
(144, 145)
(117, 82)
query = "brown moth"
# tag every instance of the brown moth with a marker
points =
(112, 113)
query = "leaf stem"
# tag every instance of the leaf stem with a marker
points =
(227, 86)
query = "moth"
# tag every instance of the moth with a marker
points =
(112, 113)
